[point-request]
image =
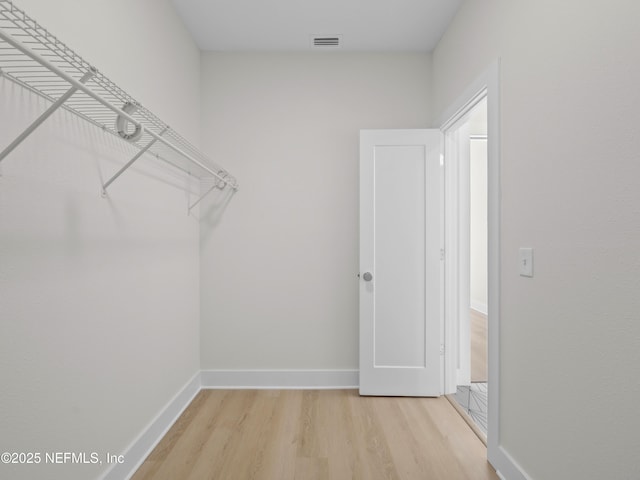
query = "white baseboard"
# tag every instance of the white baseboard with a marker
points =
(280, 379)
(142, 446)
(506, 467)
(479, 307)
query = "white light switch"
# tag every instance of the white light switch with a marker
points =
(526, 262)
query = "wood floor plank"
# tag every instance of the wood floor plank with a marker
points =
(242, 455)
(408, 437)
(312, 469)
(322, 434)
(457, 446)
(281, 448)
(373, 445)
(344, 461)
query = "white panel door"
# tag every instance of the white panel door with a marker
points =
(401, 266)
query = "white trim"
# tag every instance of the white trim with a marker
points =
(280, 379)
(479, 307)
(457, 287)
(473, 95)
(137, 452)
(489, 83)
(509, 468)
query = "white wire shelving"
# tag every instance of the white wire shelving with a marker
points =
(34, 58)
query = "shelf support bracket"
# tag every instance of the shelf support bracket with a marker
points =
(220, 182)
(130, 162)
(46, 114)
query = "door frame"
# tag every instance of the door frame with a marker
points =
(487, 84)
(457, 215)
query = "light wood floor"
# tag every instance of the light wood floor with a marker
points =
(317, 434)
(479, 349)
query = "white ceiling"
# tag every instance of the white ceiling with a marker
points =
(286, 25)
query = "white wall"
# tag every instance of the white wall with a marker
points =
(98, 297)
(570, 118)
(279, 272)
(478, 224)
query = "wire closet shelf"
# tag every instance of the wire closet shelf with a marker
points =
(34, 58)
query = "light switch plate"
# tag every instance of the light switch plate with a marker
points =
(526, 262)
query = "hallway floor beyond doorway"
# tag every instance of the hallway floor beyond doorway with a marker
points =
(473, 399)
(479, 350)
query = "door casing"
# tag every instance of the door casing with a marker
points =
(486, 84)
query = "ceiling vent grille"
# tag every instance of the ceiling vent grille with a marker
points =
(326, 42)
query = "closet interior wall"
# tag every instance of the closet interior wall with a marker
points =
(279, 280)
(99, 297)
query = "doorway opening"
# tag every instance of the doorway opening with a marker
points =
(466, 227)
(485, 86)
(472, 391)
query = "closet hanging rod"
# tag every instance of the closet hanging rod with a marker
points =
(79, 86)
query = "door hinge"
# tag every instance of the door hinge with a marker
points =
(441, 349)
(442, 254)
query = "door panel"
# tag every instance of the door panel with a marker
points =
(399, 254)
(400, 242)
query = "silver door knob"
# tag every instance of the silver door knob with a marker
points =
(367, 277)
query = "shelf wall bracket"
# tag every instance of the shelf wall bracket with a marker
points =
(220, 182)
(130, 162)
(46, 114)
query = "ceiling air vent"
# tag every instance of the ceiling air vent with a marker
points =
(326, 42)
